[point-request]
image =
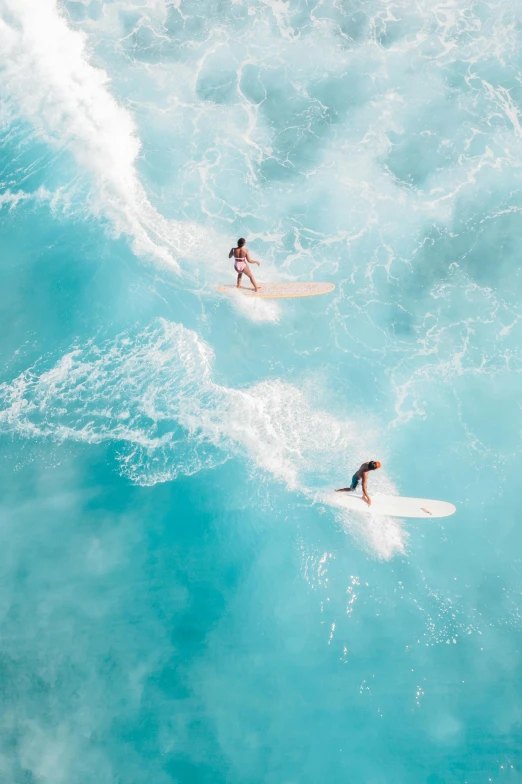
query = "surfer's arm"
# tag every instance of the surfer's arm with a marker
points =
(231, 253)
(252, 261)
(365, 490)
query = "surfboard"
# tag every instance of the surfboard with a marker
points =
(279, 289)
(391, 505)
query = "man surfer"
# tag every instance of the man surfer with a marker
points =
(361, 475)
(241, 256)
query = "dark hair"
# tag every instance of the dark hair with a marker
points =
(241, 241)
(372, 465)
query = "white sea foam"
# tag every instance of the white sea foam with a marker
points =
(46, 70)
(12, 199)
(154, 395)
(370, 206)
(256, 309)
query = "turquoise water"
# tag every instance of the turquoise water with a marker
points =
(178, 602)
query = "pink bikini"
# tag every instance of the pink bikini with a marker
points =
(239, 264)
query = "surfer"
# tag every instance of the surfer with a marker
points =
(241, 258)
(361, 475)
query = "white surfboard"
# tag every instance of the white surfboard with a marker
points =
(391, 505)
(279, 289)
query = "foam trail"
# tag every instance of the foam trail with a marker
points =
(154, 395)
(256, 309)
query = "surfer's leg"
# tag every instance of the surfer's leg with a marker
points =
(353, 486)
(252, 279)
(239, 276)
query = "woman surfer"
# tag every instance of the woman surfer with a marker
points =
(241, 258)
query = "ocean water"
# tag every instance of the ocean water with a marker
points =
(178, 603)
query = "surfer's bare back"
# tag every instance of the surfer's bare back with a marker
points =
(361, 476)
